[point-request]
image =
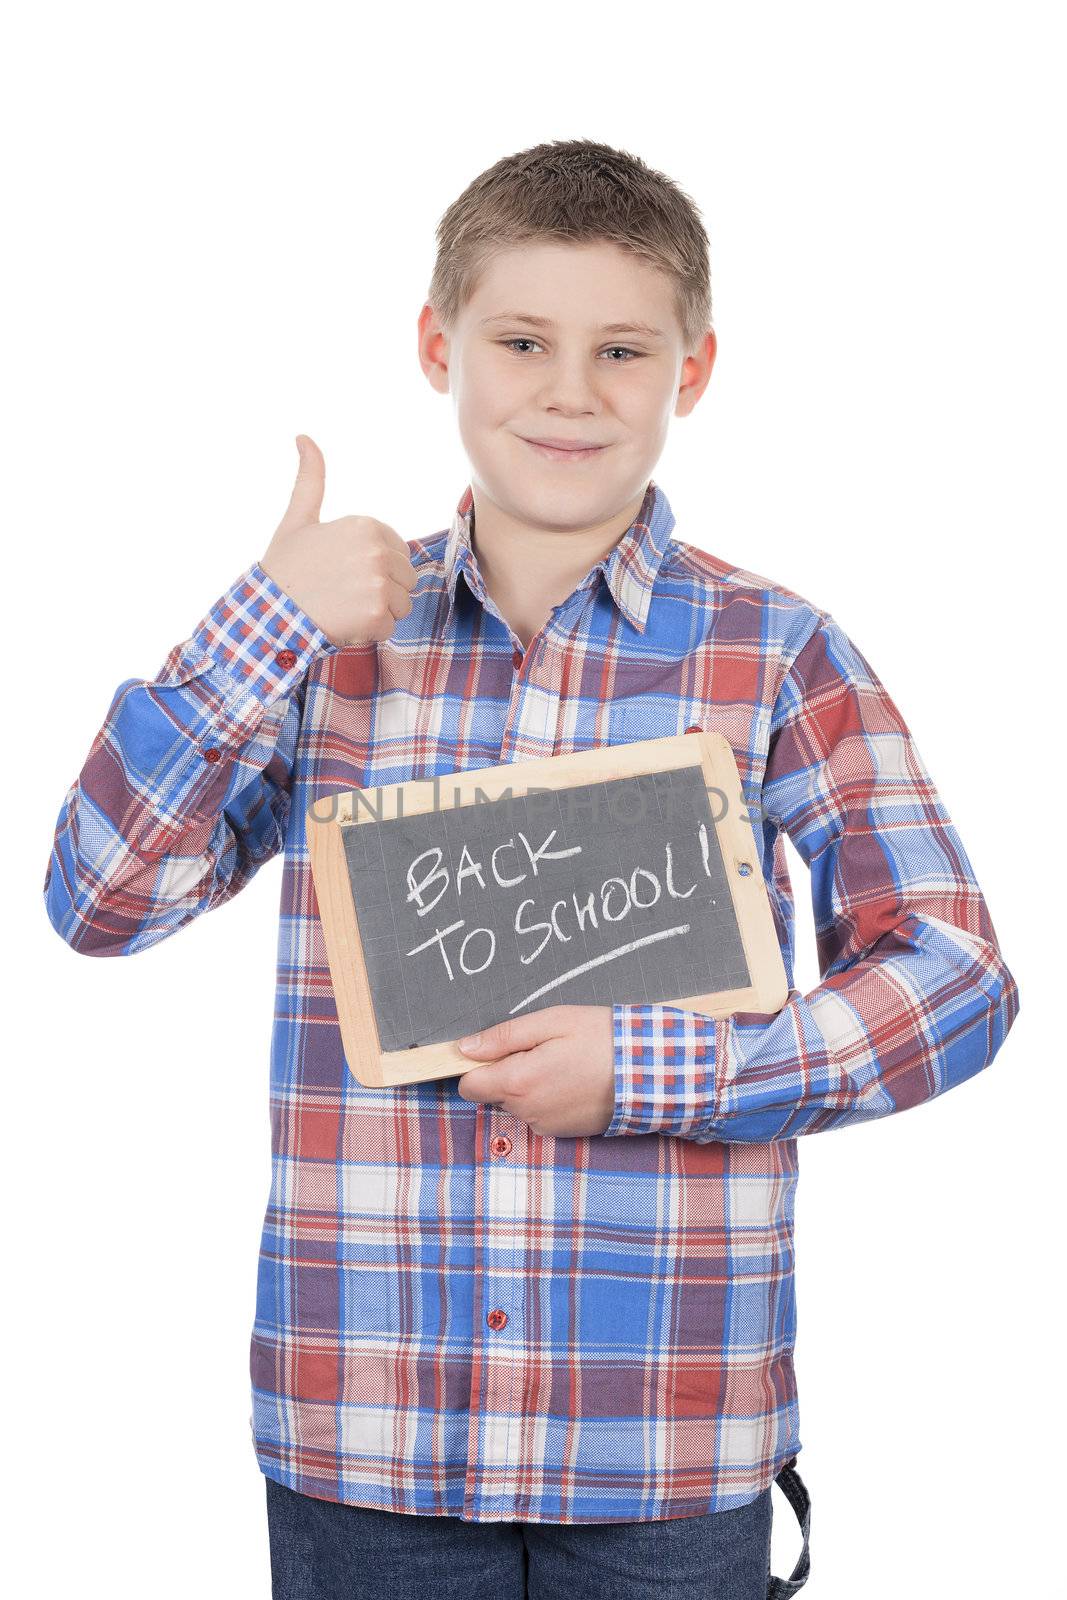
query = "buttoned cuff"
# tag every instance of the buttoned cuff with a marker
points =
(664, 1069)
(261, 636)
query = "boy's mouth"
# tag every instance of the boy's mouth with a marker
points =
(558, 452)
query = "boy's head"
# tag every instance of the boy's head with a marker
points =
(570, 300)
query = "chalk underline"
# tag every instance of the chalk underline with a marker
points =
(598, 961)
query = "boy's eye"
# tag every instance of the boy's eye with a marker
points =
(636, 354)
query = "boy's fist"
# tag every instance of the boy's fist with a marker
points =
(353, 576)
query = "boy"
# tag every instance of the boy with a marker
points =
(542, 1313)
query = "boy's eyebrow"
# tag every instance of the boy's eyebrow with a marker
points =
(546, 322)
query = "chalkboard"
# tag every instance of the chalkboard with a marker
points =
(627, 873)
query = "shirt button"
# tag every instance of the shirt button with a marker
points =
(214, 754)
(500, 1145)
(497, 1319)
(516, 658)
(286, 659)
(694, 727)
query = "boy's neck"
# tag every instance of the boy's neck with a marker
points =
(527, 571)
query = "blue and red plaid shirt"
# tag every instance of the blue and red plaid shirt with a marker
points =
(643, 1364)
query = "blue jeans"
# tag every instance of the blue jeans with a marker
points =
(324, 1550)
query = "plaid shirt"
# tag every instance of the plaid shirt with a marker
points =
(455, 1315)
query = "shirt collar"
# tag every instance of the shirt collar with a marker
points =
(630, 566)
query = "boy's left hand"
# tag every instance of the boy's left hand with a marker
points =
(554, 1068)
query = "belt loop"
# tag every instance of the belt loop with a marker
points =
(793, 1487)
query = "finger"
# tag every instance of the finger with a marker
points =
(398, 542)
(478, 1085)
(514, 1033)
(305, 502)
(398, 600)
(401, 569)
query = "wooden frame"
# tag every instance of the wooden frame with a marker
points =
(376, 1068)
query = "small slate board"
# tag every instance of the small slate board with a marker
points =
(627, 873)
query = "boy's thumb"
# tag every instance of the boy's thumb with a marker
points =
(305, 502)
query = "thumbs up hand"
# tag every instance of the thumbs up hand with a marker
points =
(353, 576)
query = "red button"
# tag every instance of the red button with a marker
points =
(500, 1145)
(214, 754)
(516, 656)
(694, 727)
(497, 1319)
(286, 659)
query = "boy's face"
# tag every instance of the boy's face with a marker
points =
(513, 379)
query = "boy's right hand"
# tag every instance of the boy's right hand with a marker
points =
(353, 576)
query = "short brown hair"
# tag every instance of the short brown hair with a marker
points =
(574, 191)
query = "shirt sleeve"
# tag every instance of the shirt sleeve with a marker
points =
(914, 997)
(185, 791)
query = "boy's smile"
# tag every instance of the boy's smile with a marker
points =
(575, 344)
(557, 450)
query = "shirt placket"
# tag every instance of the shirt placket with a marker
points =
(504, 1347)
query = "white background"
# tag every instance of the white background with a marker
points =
(220, 233)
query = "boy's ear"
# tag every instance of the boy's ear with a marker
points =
(433, 348)
(696, 374)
